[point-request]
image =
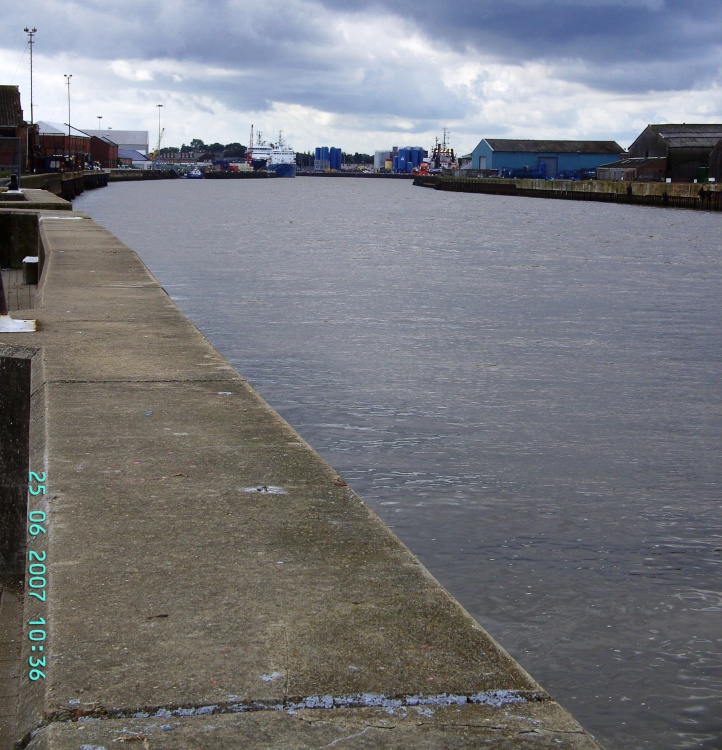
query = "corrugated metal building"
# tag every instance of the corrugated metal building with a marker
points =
(132, 140)
(634, 169)
(103, 152)
(54, 143)
(546, 158)
(687, 148)
(715, 162)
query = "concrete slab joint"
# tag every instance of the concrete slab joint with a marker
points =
(208, 580)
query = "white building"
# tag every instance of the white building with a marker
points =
(131, 140)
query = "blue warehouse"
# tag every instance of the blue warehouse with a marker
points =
(517, 158)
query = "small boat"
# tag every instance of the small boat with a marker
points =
(195, 174)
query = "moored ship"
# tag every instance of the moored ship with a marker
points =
(279, 158)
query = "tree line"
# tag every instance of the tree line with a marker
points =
(238, 151)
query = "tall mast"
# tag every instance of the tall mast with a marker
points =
(249, 150)
(31, 41)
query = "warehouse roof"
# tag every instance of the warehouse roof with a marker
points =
(11, 114)
(689, 136)
(636, 162)
(121, 136)
(129, 153)
(559, 147)
(58, 128)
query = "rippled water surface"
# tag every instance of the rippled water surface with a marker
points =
(527, 391)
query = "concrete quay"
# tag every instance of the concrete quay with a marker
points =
(208, 580)
(701, 197)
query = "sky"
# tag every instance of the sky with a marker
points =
(368, 75)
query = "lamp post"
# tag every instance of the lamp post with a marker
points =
(100, 117)
(67, 77)
(31, 147)
(31, 41)
(157, 153)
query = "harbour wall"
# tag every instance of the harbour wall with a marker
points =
(706, 197)
(67, 185)
(359, 175)
(195, 575)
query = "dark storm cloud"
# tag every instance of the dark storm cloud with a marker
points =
(615, 45)
(224, 32)
(661, 44)
(368, 68)
(282, 51)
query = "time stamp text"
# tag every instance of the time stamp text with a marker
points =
(37, 580)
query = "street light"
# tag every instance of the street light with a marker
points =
(67, 77)
(31, 41)
(100, 117)
(157, 152)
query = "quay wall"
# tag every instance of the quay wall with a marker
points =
(360, 175)
(706, 197)
(67, 185)
(208, 580)
(140, 175)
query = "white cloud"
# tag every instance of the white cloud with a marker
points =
(392, 72)
(130, 71)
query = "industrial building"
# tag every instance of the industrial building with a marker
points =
(13, 131)
(408, 159)
(131, 158)
(540, 158)
(326, 158)
(715, 162)
(130, 140)
(61, 147)
(384, 160)
(634, 170)
(686, 148)
(56, 150)
(399, 160)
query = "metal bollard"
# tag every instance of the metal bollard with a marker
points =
(14, 183)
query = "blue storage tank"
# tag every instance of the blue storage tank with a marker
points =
(396, 163)
(318, 152)
(324, 153)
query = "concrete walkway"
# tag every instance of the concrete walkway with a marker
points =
(212, 582)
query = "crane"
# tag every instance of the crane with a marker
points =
(155, 154)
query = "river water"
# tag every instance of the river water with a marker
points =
(527, 391)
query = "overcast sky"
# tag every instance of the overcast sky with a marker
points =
(365, 75)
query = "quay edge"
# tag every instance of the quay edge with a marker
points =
(705, 197)
(211, 581)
